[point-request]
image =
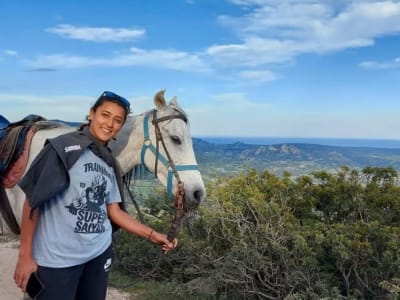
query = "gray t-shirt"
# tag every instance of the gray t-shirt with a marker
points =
(74, 228)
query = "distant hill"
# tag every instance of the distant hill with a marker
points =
(298, 159)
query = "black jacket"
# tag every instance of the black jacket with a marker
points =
(48, 175)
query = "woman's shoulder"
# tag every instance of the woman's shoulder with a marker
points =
(71, 139)
(70, 146)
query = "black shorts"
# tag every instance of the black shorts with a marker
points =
(82, 282)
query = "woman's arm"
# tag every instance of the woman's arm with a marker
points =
(125, 221)
(25, 263)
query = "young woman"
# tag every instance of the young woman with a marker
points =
(74, 201)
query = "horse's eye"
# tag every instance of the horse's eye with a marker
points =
(176, 140)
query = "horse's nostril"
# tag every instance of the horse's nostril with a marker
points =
(198, 196)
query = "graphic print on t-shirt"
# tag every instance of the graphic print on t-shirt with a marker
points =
(89, 207)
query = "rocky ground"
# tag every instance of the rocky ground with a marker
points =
(8, 258)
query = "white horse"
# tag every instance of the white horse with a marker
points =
(159, 139)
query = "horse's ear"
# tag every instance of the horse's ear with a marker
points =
(174, 101)
(159, 100)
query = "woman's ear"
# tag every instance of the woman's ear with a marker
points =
(90, 115)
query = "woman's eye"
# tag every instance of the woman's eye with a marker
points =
(176, 140)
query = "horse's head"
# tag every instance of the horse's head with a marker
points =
(168, 151)
(160, 140)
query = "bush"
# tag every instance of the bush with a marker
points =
(259, 236)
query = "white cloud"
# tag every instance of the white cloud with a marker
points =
(278, 31)
(231, 114)
(235, 103)
(232, 99)
(97, 34)
(169, 59)
(269, 32)
(165, 59)
(236, 115)
(64, 107)
(257, 77)
(10, 52)
(68, 107)
(393, 64)
(64, 61)
(253, 52)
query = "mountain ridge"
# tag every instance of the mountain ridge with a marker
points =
(296, 158)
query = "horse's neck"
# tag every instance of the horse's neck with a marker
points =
(42, 135)
(128, 144)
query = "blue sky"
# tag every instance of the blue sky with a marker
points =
(289, 68)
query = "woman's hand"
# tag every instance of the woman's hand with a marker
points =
(125, 221)
(23, 270)
(160, 238)
(25, 264)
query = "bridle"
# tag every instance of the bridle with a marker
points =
(173, 169)
(167, 161)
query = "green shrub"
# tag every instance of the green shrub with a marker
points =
(259, 236)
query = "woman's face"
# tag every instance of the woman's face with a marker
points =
(106, 121)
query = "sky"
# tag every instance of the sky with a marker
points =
(276, 68)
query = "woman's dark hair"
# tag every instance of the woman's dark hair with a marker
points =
(111, 97)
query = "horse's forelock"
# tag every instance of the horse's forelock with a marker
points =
(180, 111)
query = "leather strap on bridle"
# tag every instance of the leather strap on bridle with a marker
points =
(159, 138)
(180, 213)
(176, 225)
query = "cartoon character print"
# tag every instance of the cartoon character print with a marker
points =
(100, 194)
(89, 208)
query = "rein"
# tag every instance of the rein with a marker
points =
(173, 169)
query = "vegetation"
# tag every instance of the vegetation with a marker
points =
(260, 236)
